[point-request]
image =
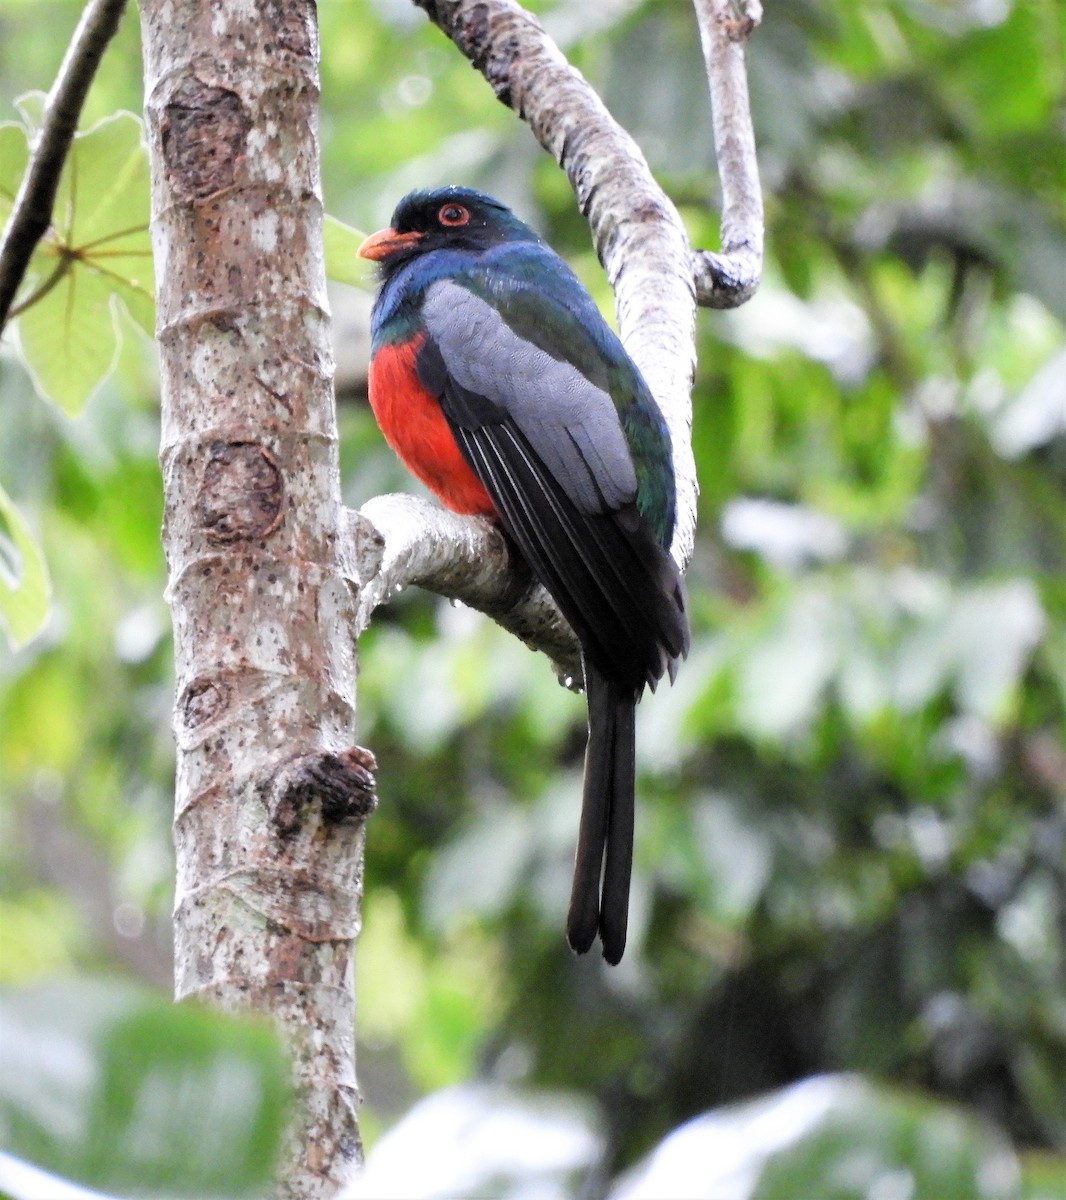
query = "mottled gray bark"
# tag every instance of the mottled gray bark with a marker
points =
(271, 793)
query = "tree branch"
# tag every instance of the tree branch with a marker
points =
(405, 540)
(31, 213)
(729, 278)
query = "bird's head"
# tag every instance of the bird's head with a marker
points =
(454, 218)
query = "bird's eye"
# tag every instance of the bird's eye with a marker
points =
(453, 214)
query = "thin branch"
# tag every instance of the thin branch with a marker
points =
(403, 540)
(31, 213)
(729, 278)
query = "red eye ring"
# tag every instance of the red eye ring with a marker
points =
(453, 214)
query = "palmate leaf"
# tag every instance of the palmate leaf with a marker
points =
(69, 339)
(97, 248)
(102, 208)
(25, 589)
(103, 192)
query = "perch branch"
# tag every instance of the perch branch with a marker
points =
(31, 213)
(405, 540)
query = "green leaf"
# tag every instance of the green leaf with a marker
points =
(783, 676)
(25, 589)
(734, 858)
(103, 195)
(68, 338)
(482, 869)
(343, 265)
(118, 1089)
(30, 107)
(14, 154)
(103, 209)
(137, 296)
(98, 247)
(995, 629)
(986, 70)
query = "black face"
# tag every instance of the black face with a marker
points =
(453, 217)
(459, 217)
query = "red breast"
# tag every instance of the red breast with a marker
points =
(414, 426)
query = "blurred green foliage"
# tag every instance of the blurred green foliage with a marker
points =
(935, 1152)
(118, 1088)
(852, 828)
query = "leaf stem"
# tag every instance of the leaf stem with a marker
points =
(66, 259)
(110, 237)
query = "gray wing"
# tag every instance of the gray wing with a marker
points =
(549, 448)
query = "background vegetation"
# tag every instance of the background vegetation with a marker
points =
(851, 850)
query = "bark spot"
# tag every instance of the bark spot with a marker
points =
(241, 497)
(741, 28)
(204, 700)
(494, 57)
(342, 785)
(472, 32)
(204, 133)
(293, 26)
(500, 66)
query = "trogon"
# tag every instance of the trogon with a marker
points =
(495, 379)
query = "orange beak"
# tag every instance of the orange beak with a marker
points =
(387, 241)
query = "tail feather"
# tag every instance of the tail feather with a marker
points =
(618, 860)
(605, 836)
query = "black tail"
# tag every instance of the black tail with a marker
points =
(605, 837)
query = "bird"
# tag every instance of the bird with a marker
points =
(500, 386)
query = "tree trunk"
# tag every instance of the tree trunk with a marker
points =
(271, 793)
